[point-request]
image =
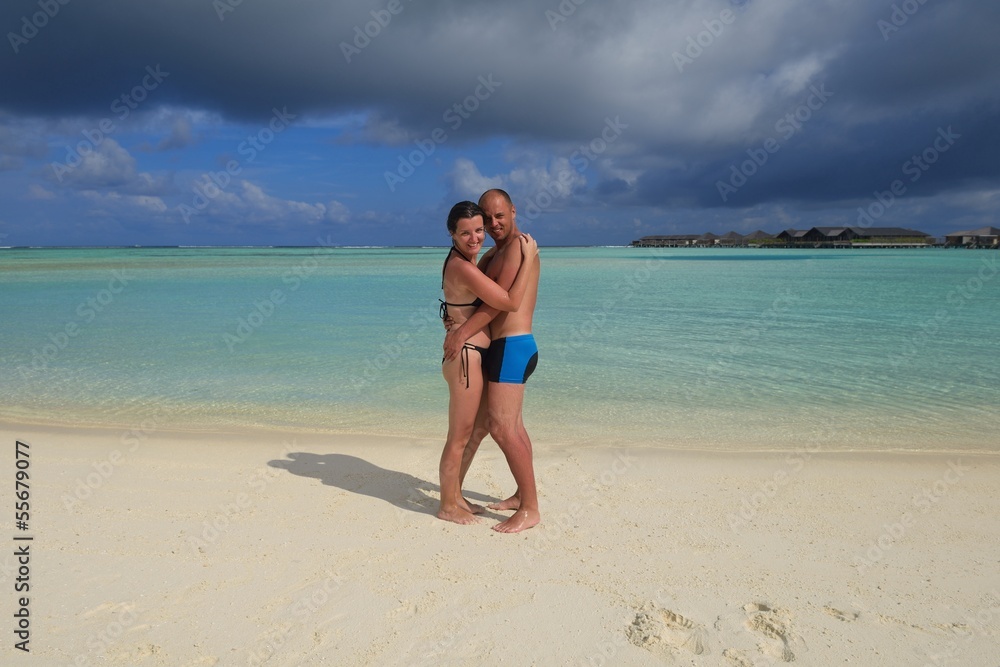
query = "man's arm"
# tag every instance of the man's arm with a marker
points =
(485, 314)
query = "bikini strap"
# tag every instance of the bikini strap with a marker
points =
(448, 257)
(465, 359)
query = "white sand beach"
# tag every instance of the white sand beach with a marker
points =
(156, 548)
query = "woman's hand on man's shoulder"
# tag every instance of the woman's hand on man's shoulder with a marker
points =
(529, 246)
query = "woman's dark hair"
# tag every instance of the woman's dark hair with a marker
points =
(463, 209)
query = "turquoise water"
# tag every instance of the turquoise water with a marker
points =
(745, 349)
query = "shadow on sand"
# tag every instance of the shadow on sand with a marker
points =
(356, 475)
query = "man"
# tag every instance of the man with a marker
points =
(510, 360)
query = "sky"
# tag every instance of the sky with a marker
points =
(310, 122)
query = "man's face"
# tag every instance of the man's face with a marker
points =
(499, 216)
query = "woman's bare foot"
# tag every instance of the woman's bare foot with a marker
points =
(472, 508)
(457, 515)
(511, 503)
(522, 520)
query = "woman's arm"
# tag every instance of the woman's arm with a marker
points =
(490, 292)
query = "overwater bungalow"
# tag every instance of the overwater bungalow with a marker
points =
(791, 236)
(855, 237)
(984, 237)
(759, 237)
(665, 241)
(819, 237)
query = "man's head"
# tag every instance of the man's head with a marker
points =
(500, 215)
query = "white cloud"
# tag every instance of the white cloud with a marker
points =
(466, 182)
(123, 204)
(181, 135)
(37, 192)
(247, 203)
(337, 212)
(105, 166)
(559, 179)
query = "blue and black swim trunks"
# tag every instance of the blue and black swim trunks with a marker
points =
(511, 360)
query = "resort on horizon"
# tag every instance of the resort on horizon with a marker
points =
(827, 237)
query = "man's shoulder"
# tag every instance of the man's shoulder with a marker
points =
(493, 264)
(511, 251)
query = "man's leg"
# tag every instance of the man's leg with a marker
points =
(514, 501)
(507, 428)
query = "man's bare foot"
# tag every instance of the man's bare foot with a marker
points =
(511, 503)
(457, 515)
(472, 508)
(522, 520)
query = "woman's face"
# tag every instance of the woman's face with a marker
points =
(468, 236)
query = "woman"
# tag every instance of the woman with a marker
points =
(465, 289)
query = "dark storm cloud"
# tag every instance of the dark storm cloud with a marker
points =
(697, 83)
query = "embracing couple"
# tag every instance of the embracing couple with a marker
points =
(489, 353)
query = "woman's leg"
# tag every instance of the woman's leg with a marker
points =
(463, 404)
(479, 431)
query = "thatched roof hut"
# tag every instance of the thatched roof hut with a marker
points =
(984, 236)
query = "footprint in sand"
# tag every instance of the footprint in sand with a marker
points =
(955, 628)
(737, 658)
(663, 632)
(775, 628)
(404, 610)
(846, 616)
(107, 606)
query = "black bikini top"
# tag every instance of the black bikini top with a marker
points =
(444, 304)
